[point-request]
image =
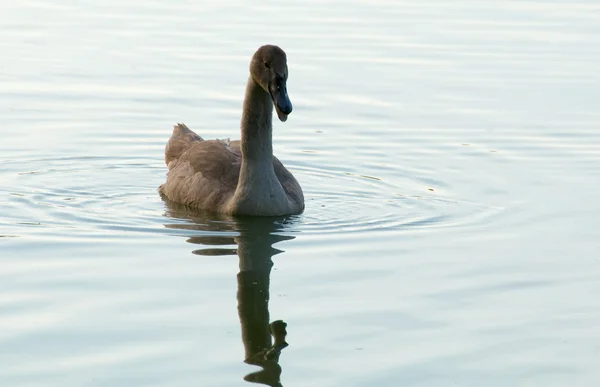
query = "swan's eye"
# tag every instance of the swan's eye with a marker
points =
(267, 65)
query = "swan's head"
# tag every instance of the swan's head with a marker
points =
(269, 69)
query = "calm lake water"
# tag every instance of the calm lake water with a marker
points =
(449, 153)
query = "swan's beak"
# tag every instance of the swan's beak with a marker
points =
(281, 100)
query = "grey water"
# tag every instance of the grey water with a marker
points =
(449, 153)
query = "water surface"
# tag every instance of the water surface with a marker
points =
(450, 158)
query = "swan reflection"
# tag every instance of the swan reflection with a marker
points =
(252, 240)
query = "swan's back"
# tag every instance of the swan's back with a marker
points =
(204, 173)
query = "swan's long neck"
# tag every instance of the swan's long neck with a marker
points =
(257, 125)
(259, 190)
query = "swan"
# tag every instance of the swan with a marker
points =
(238, 177)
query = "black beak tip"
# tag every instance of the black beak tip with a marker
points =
(286, 108)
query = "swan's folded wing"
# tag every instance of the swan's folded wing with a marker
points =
(205, 176)
(181, 140)
(215, 160)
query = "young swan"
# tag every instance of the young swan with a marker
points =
(239, 177)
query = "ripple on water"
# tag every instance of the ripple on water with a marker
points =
(344, 202)
(65, 197)
(78, 197)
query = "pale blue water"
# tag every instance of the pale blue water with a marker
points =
(450, 158)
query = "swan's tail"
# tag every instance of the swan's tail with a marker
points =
(181, 140)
